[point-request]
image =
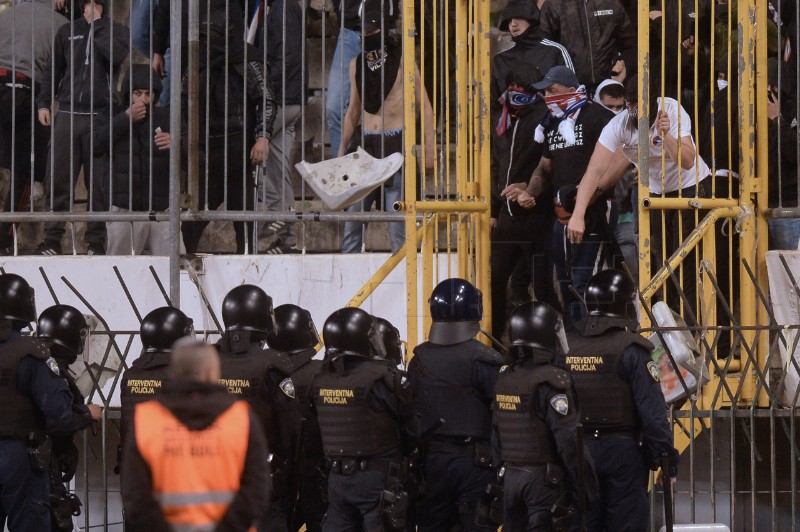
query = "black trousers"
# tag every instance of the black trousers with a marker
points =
(528, 500)
(451, 493)
(354, 502)
(622, 478)
(71, 150)
(24, 493)
(240, 189)
(18, 127)
(527, 238)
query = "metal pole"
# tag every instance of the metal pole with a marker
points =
(410, 173)
(482, 136)
(176, 16)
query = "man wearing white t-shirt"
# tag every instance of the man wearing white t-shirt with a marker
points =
(675, 170)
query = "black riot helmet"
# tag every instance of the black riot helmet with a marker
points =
(351, 331)
(536, 327)
(16, 298)
(164, 326)
(391, 340)
(456, 309)
(248, 308)
(66, 327)
(294, 330)
(610, 293)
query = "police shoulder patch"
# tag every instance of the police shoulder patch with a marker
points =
(287, 387)
(53, 365)
(652, 369)
(560, 403)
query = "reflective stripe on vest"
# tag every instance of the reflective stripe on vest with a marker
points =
(196, 473)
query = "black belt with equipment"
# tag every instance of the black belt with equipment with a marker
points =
(597, 434)
(348, 466)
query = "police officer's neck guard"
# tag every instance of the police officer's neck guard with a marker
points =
(239, 341)
(535, 356)
(453, 332)
(597, 323)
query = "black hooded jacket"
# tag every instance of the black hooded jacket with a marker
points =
(515, 155)
(84, 65)
(133, 150)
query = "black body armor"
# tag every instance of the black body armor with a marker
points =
(606, 399)
(19, 417)
(444, 389)
(350, 427)
(524, 437)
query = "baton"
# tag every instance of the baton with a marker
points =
(666, 483)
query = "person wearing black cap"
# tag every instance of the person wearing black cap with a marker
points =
(623, 411)
(535, 424)
(453, 376)
(569, 135)
(86, 57)
(520, 236)
(139, 151)
(376, 82)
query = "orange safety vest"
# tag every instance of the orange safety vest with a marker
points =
(196, 473)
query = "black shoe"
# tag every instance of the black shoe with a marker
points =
(48, 247)
(96, 249)
(281, 249)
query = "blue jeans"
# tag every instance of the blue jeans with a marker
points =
(577, 263)
(353, 237)
(140, 24)
(784, 233)
(347, 47)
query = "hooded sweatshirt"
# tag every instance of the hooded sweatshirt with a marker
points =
(26, 40)
(84, 63)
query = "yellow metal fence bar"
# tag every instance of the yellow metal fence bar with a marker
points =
(409, 137)
(760, 187)
(706, 225)
(747, 176)
(643, 53)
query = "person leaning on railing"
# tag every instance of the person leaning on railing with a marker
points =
(675, 170)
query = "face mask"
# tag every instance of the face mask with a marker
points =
(722, 84)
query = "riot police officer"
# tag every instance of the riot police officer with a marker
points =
(64, 329)
(454, 376)
(148, 374)
(535, 425)
(391, 341)
(246, 365)
(289, 378)
(366, 414)
(622, 407)
(35, 400)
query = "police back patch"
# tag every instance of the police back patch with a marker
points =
(652, 369)
(287, 386)
(53, 365)
(560, 403)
